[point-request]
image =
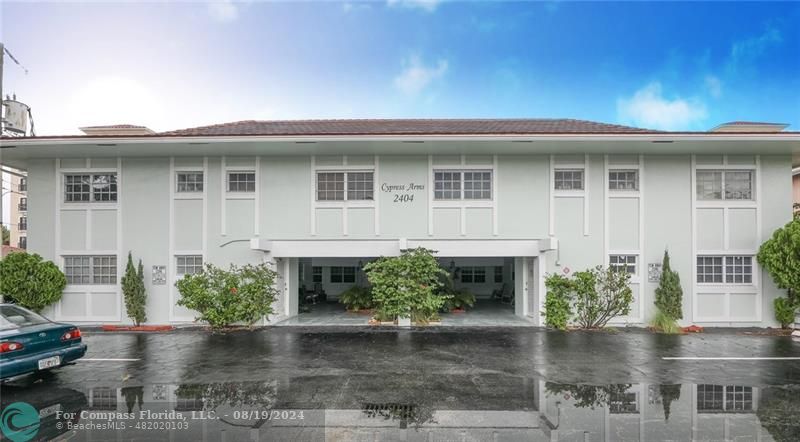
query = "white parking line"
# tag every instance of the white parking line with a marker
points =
(725, 358)
(108, 360)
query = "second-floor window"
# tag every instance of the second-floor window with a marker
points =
(345, 186)
(568, 179)
(97, 187)
(189, 182)
(623, 180)
(466, 185)
(243, 181)
(725, 184)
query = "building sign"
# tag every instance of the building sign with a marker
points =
(402, 193)
(653, 272)
(159, 275)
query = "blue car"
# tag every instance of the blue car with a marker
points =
(31, 343)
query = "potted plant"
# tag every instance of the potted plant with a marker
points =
(460, 300)
(356, 298)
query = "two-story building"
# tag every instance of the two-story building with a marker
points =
(503, 202)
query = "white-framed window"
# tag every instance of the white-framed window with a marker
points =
(623, 180)
(732, 269)
(186, 182)
(241, 181)
(624, 263)
(724, 398)
(462, 185)
(90, 269)
(345, 186)
(188, 264)
(475, 275)
(104, 398)
(316, 274)
(90, 187)
(343, 274)
(568, 179)
(498, 274)
(725, 185)
(623, 403)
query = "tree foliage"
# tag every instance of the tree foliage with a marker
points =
(5, 235)
(224, 297)
(30, 281)
(590, 298)
(407, 285)
(780, 256)
(134, 292)
(669, 294)
(557, 303)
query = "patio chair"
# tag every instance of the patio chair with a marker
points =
(507, 296)
(497, 294)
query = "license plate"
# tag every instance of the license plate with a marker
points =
(45, 363)
(48, 411)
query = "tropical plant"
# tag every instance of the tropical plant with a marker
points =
(663, 323)
(557, 303)
(356, 298)
(780, 256)
(600, 295)
(669, 294)
(5, 235)
(460, 299)
(134, 292)
(223, 297)
(407, 285)
(28, 280)
(785, 311)
(669, 393)
(588, 396)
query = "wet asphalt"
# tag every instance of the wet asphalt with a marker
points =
(396, 384)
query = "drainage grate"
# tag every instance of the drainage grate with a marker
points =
(403, 412)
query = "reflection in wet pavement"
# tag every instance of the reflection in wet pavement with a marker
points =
(417, 386)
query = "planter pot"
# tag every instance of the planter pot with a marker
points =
(458, 310)
(404, 322)
(144, 328)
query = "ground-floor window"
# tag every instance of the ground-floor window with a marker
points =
(625, 263)
(85, 269)
(736, 269)
(316, 274)
(343, 274)
(724, 398)
(498, 274)
(189, 264)
(475, 275)
(623, 403)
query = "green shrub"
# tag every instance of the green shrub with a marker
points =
(669, 294)
(557, 303)
(407, 285)
(600, 295)
(460, 299)
(785, 311)
(223, 297)
(663, 323)
(134, 292)
(356, 298)
(27, 280)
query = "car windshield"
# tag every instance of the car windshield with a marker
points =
(12, 316)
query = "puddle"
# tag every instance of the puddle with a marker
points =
(530, 410)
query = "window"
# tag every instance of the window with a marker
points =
(468, 185)
(242, 181)
(341, 186)
(22, 242)
(23, 204)
(724, 398)
(709, 269)
(359, 186)
(189, 264)
(189, 182)
(94, 187)
(625, 263)
(498, 274)
(737, 269)
(568, 179)
(623, 180)
(23, 184)
(343, 274)
(623, 403)
(477, 185)
(104, 398)
(724, 184)
(316, 274)
(91, 269)
(476, 275)
(23, 223)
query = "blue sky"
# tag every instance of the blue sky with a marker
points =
(679, 66)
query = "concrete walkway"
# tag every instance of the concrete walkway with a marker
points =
(485, 314)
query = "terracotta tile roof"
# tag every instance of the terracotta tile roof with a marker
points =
(115, 126)
(409, 127)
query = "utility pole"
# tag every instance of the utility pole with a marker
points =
(2, 130)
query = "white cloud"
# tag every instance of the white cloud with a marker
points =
(113, 100)
(223, 11)
(416, 76)
(714, 86)
(425, 5)
(648, 108)
(749, 49)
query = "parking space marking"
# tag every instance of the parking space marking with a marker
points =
(731, 358)
(108, 360)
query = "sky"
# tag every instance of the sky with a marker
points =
(171, 65)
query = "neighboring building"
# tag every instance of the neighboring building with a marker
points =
(18, 209)
(796, 188)
(504, 202)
